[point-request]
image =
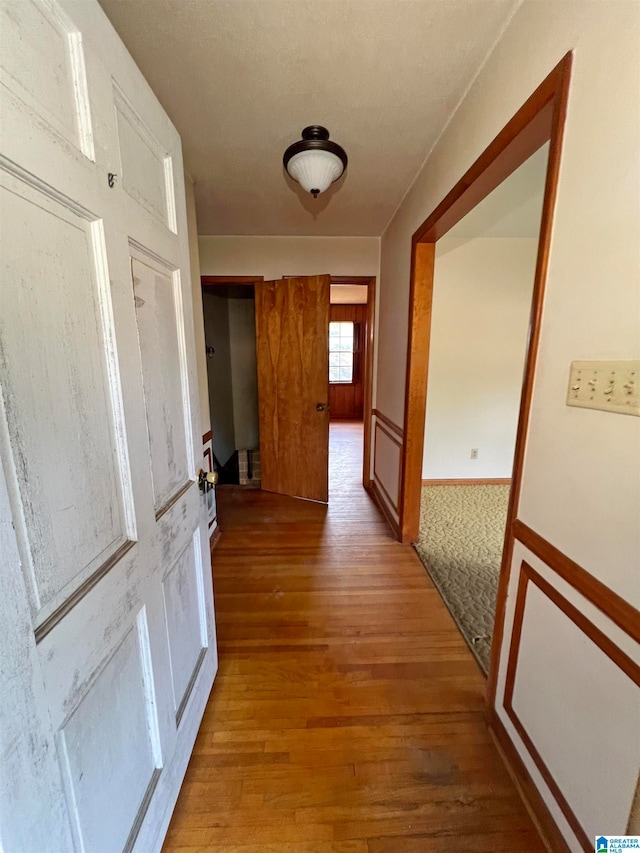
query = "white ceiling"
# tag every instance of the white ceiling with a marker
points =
(241, 78)
(513, 209)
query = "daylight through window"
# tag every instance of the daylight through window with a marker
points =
(341, 352)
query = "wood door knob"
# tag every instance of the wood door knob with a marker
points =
(320, 407)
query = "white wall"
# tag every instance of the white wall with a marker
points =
(580, 489)
(244, 374)
(198, 320)
(275, 257)
(232, 373)
(481, 306)
(592, 307)
(220, 387)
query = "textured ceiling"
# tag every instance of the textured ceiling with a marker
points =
(241, 78)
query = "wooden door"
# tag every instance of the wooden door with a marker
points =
(292, 326)
(108, 650)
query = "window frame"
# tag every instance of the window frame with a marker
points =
(356, 352)
(352, 352)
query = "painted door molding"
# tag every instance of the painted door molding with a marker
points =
(108, 652)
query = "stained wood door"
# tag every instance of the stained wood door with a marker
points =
(108, 642)
(292, 326)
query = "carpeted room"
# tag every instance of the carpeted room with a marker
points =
(484, 272)
(461, 538)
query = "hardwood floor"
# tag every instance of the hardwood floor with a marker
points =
(347, 714)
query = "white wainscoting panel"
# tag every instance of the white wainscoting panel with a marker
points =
(582, 713)
(386, 465)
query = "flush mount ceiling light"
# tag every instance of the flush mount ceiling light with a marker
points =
(315, 162)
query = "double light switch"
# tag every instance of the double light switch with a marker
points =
(611, 386)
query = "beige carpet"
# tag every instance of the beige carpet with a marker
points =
(460, 544)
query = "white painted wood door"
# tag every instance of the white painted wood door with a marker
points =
(107, 651)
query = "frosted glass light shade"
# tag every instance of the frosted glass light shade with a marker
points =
(315, 170)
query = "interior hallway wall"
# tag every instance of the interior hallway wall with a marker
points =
(244, 372)
(480, 318)
(592, 305)
(220, 386)
(580, 489)
(275, 257)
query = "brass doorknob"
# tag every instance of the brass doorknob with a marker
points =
(320, 407)
(207, 479)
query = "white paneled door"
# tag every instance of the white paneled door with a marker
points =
(107, 647)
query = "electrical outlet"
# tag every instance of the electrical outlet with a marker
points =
(611, 386)
(474, 452)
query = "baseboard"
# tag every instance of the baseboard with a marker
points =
(480, 481)
(379, 501)
(531, 797)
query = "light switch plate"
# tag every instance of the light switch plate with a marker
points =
(611, 386)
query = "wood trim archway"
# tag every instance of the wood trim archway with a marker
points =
(541, 119)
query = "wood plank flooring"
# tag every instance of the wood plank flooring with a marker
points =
(347, 714)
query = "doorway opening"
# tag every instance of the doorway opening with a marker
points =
(540, 120)
(230, 339)
(351, 334)
(250, 326)
(482, 292)
(347, 351)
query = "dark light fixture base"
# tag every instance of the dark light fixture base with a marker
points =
(315, 131)
(315, 138)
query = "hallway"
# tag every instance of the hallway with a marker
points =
(347, 714)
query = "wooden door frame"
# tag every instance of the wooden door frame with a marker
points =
(370, 283)
(212, 280)
(541, 119)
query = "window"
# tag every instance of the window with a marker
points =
(341, 347)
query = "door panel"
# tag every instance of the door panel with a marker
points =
(146, 170)
(186, 621)
(71, 523)
(108, 652)
(292, 322)
(115, 719)
(157, 298)
(42, 63)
